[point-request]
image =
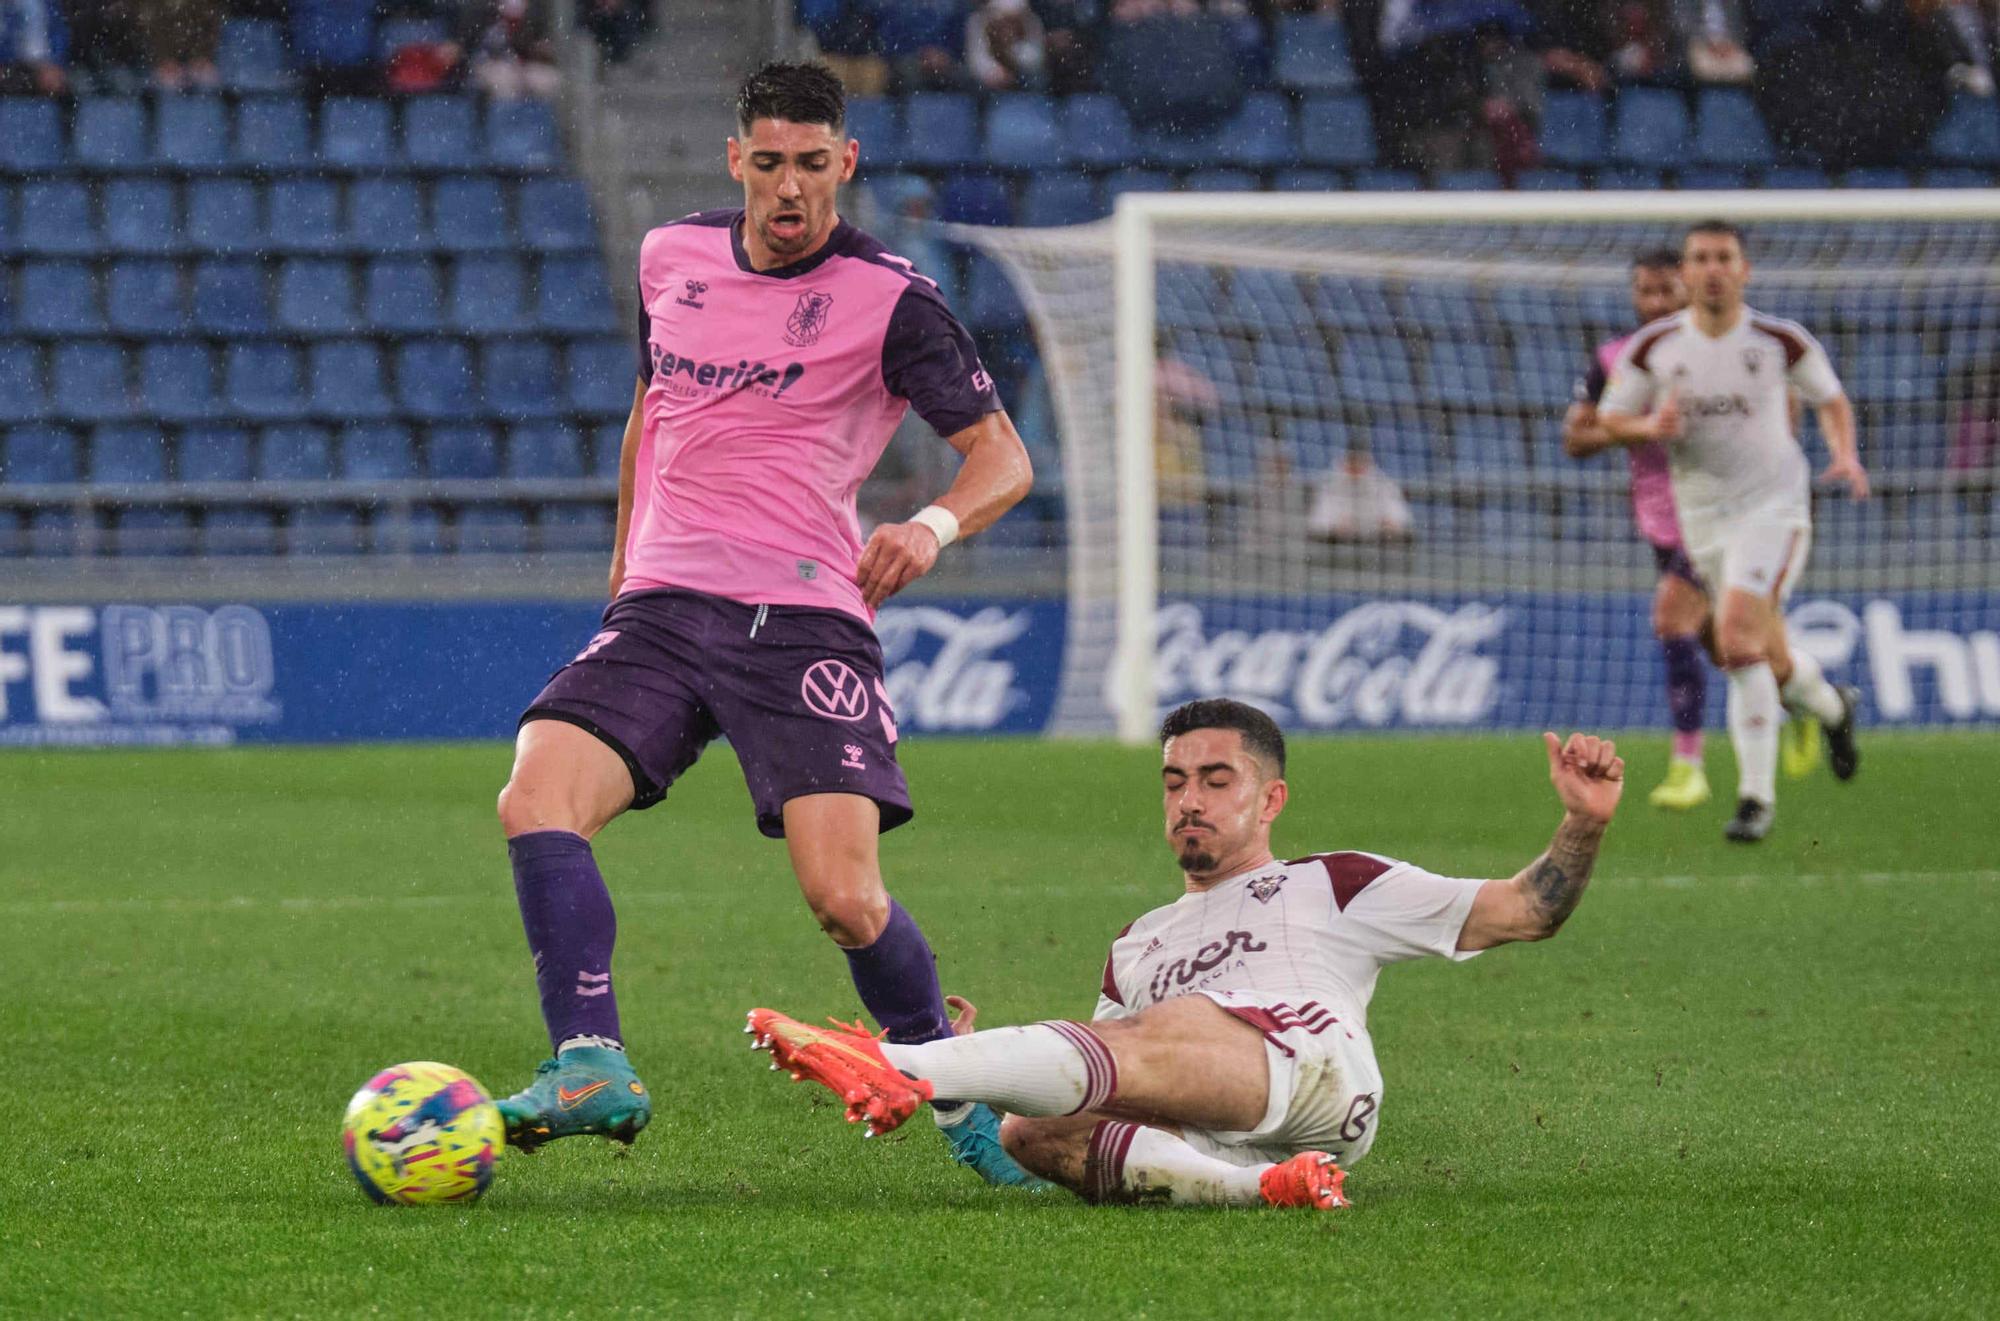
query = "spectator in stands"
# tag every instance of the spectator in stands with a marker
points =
(1067, 25)
(1851, 83)
(31, 48)
(923, 41)
(1182, 399)
(508, 48)
(1573, 39)
(1714, 32)
(617, 25)
(1005, 49)
(1174, 66)
(1445, 80)
(181, 37)
(104, 45)
(1358, 502)
(1972, 31)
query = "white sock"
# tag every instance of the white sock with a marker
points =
(1808, 692)
(1131, 1161)
(1753, 729)
(1043, 1069)
(605, 1043)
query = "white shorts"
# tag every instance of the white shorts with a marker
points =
(1761, 556)
(1326, 1093)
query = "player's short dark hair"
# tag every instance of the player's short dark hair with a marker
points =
(1657, 259)
(1262, 738)
(801, 93)
(1721, 228)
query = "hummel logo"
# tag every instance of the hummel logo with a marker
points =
(569, 1100)
(692, 298)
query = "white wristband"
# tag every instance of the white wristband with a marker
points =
(941, 521)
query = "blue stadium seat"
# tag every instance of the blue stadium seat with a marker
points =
(24, 393)
(347, 381)
(491, 530)
(571, 297)
(251, 56)
(519, 379)
(304, 216)
(1961, 177)
(1258, 136)
(229, 298)
(1483, 444)
(1545, 369)
(975, 199)
(487, 296)
(140, 215)
(606, 443)
(54, 532)
(1548, 181)
(521, 135)
(1462, 372)
(434, 380)
(323, 529)
(223, 216)
(1311, 54)
(1220, 181)
(334, 34)
(177, 383)
(990, 301)
(152, 530)
(40, 456)
(213, 454)
(356, 134)
(1729, 131)
(90, 381)
(145, 298)
(1373, 370)
(1573, 129)
(1061, 198)
(109, 133)
(1097, 131)
(128, 455)
(1712, 177)
(460, 452)
(261, 381)
(1650, 128)
(402, 296)
(1634, 178)
(544, 450)
(573, 527)
(396, 33)
(58, 298)
(1308, 181)
(316, 297)
(876, 123)
(1387, 181)
(1130, 180)
(1022, 132)
(441, 132)
(1467, 181)
(943, 129)
(1969, 133)
(1797, 177)
(295, 453)
(190, 132)
(1876, 177)
(1336, 130)
(31, 136)
(377, 452)
(238, 531)
(272, 132)
(471, 215)
(56, 218)
(386, 215)
(555, 216)
(599, 377)
(6, 243)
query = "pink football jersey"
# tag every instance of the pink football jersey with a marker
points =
(770, 396)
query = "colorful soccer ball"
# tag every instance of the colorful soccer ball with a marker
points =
(422, 1133)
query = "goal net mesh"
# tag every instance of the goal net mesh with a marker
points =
(1491, 580)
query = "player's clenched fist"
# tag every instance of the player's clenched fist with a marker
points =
(1665, 423)
(1588, 774)
(896, 555)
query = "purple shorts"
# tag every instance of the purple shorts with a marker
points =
(1674, 560)
(796, 691)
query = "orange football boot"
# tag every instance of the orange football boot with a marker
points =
(846, 1061)
(1310, 1178)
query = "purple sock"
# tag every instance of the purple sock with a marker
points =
(898, 981)
(1687, 683)
(571, 929)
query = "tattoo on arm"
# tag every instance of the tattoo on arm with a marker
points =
(1555, 881)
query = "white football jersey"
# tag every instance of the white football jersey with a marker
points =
(1736, 455)
(1317, 928)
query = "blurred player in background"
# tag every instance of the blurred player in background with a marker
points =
(1229, 1061)
(779, 349)
(1680, 602)
(1714, 383)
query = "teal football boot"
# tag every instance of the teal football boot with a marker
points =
(586, 1089)
(975, 1142)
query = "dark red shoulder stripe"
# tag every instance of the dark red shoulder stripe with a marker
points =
(1648, 340)
(1795, 344)
(1350, 873)
(1110, 987)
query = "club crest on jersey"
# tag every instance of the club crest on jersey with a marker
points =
(1263, 887)
(808, 319)
(694, 289)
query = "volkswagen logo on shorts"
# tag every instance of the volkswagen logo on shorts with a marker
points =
(832, 689)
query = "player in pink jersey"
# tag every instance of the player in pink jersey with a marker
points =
(779, 349)
(1680, 601)
(1229, 1061)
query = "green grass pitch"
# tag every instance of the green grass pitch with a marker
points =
(1742, 1083)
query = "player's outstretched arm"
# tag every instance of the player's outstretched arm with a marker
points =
(1583, 432)
(1836, 423)
(995, 476)
(1662, 424)
(628, 476)
(1589, 776)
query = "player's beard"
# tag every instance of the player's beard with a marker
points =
(1195, 860)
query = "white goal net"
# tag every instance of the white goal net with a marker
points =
(1312, 451)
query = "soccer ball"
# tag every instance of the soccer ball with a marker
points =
(422, 1133)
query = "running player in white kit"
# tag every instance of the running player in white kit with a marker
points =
(1713, 382)
(1229, 1061)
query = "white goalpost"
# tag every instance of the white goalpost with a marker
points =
(1217, 363)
